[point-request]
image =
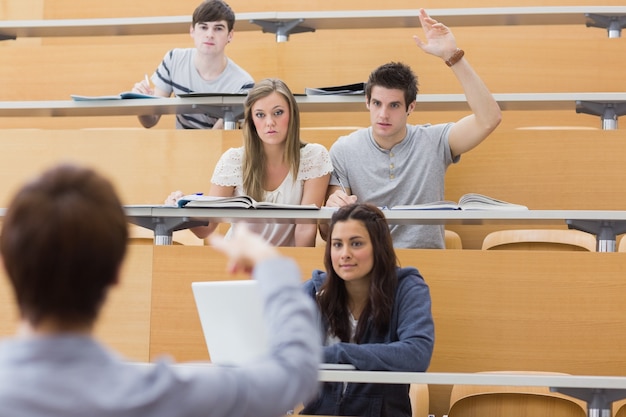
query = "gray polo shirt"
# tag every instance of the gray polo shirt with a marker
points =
(412, 172)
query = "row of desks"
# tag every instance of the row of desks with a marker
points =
(284, 23)
(230, 107)
(164, 220)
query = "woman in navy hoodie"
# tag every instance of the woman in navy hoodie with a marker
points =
(375, 315)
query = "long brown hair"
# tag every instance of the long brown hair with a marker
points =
(333, 296)
(254, 157)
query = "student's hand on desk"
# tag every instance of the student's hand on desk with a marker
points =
(340, 199)
(244, 249)
(172, 199)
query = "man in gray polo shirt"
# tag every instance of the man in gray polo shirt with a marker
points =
(393, 163)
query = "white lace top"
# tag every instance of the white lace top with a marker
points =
(314, 163)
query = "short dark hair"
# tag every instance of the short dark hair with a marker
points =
(63, 240)
(214, 11)
(394, 75)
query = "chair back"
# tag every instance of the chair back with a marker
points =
(540, 239)
(453, 240)
(513, 401)
(619, 408)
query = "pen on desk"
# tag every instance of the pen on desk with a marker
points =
(340, 183)
(147, 80)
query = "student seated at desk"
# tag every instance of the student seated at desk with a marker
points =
(273, 165)
(395, 163)
(63, 241)
(376, 315)
(203, 69)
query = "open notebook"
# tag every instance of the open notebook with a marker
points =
(231, 314)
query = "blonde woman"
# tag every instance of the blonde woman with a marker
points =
(273, 165)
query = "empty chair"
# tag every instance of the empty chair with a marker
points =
(513, 401)
(452, 240)
(541, 239)
(619, 408)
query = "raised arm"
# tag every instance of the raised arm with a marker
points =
(471, 130)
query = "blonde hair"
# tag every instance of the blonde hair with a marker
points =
(254, 160)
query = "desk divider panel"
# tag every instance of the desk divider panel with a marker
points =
(145, 165)
(124, 323)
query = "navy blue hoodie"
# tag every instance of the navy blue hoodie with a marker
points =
(406, 347)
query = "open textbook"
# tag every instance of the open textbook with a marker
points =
(121, 96)
(240, 201)
(470, 201)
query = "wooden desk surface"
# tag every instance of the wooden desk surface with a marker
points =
(467, 217)
(328, 103)
(501, 379)
(124, 322)
(318, 20)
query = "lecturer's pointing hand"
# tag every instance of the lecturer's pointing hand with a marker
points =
(244, 249)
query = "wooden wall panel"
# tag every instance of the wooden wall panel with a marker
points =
(145, 165)
(22, 9)
(539, 59)
(544, 170)
(124, 323)
(173, 300)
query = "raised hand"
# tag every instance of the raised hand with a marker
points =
(244, 249)
(439, 39)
